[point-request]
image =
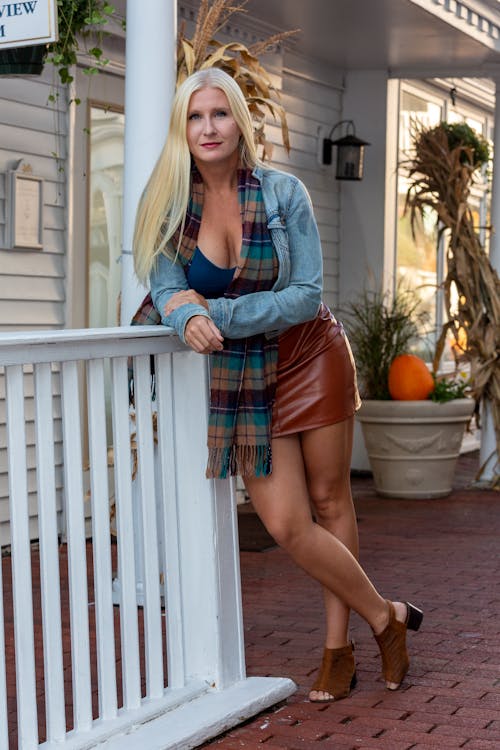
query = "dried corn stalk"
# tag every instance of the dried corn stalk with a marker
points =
(440, 178)
(240, 62)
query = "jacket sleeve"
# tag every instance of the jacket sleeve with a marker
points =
(168, 277)
(261, 312)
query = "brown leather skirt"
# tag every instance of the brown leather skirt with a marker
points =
(316, 376)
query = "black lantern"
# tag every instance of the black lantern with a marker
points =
(350, 153)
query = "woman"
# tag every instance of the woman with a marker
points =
(233, 257)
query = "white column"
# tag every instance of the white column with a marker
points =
(149, 88)
(495, 193)
(488, 453)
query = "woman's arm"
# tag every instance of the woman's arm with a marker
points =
(268, 311)
(166, 279)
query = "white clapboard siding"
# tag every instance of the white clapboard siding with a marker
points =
(50, 265)
(50, 314)
(29, 407)
(312, 107)
(29, 410)
(32, 282)
(40, 288)
(34, 130)
(31, 479)
(30, 453)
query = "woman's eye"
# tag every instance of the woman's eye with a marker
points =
(221, 113)
(194, 116)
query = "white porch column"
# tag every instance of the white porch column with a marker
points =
(149, 88)
(488, 450)
(367, 259)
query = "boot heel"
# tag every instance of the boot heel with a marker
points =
(414, 618)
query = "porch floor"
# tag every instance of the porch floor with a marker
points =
(442, 554)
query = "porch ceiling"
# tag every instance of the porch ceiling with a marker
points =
(395, 35)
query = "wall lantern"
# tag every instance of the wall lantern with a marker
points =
(350, 152)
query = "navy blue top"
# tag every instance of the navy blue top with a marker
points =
(206, 278)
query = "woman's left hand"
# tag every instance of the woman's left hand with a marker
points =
(183, 298)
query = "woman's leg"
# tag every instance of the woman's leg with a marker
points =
(327, 460)
(282, 502)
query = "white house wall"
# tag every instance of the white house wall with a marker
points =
(313, 104)
(32, 282)
(32, 294)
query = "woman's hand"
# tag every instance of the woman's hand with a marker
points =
(202, 335)
(183, 298)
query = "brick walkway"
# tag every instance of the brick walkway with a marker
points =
(441, 554)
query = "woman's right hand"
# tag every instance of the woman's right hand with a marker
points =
(202, 335)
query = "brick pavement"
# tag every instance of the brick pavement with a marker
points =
(442, 554)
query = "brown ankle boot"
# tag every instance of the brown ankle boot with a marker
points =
(392, 644)
(337, 674)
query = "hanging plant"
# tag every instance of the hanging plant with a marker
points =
(79, 20)
(240, 62)
(441, 172)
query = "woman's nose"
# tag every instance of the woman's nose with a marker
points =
(208, 125)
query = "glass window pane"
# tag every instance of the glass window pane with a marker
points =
(105, 223)
(416, 256)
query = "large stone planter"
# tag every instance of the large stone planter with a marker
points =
(413, 446)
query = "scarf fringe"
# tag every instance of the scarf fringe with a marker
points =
(244, 460)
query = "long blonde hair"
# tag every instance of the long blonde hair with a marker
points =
(164, 202)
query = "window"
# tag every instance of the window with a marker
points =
(420, 262)
(105, 221)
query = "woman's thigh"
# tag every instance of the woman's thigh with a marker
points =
(327, 462)
(282, 498)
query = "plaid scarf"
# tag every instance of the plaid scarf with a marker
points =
(243, 374)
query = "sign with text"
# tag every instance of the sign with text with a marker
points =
(26, 23)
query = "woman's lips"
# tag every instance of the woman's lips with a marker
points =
(210, 145)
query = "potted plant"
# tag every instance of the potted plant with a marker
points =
(78, 20)
(412, 442)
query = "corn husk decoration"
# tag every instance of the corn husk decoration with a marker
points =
(441, 174)
(241, 62)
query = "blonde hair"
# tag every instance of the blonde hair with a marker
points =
(163, 205)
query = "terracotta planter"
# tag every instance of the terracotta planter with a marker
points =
(23, 60)
(413, 446)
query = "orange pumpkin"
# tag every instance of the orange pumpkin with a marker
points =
(409, 378)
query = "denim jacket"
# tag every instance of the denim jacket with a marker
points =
(296, 294)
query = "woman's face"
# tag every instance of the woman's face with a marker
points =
(212, 132)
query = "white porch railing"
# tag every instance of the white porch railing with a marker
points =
(135, 677)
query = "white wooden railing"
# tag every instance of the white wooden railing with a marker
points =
(183, 526)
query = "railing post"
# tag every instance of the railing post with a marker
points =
(208, 547)
(49, 555)
(21, 560)
(4, 726)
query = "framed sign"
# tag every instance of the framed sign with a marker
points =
(25, 214)
(33, 22)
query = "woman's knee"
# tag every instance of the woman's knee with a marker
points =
(330, 500)
(287, 532)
